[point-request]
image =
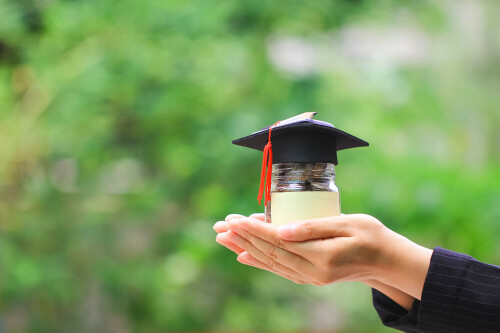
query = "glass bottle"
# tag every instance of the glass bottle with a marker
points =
(301, 191)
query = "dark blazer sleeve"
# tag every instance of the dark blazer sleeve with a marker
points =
(460, 294)
(394, 315)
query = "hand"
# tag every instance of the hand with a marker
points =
(322, 251)
(317, 252)
(403, 299)
(224, 236)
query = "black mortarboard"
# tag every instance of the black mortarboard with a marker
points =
(303, 141)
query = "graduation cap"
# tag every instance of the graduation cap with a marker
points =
(299, 139)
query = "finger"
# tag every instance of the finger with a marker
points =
(221, 226)
(327, 227)
(258, 216)
(274, 252)
(230, 245)
(265, 231)
(259, 255)
(269, 233)
(246, 259)
(288, 277)
(233, 216)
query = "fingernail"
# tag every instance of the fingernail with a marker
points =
(219, 237)
(230, 235)
(243, 262)
(220, 224)
(241, 256)
(286, 231)
(231, 217)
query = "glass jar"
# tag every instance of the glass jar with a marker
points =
(301, 191)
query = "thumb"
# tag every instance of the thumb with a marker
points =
(328, 227)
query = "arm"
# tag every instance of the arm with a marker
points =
(334, 249)
(457, 292)
(401, 298)
(460, 294)
(370, 224)
(403, 264)
(397, 309)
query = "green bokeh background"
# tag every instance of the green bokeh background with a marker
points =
(116, 121)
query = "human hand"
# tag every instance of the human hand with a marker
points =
(319, 251)
(322, 251)
(222, 228)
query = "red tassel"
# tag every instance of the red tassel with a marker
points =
(267, 162)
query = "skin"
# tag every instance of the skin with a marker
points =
(322, 251)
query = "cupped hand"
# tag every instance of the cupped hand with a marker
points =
(353, 247)
(319, 252)
(224, 238)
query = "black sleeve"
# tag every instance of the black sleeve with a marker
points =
(394, 315)
(460, 294)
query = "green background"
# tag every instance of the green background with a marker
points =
(116, 121)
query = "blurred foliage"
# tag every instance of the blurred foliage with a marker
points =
(116, 121)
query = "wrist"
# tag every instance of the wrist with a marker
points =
(401, 298)
(386, 261)
(403, 264)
